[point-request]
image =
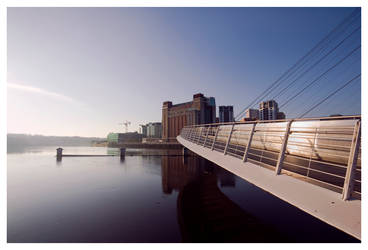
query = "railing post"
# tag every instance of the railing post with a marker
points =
(228, 139)
(245, 157)
(208, 129)
(354, 150)
(182, 132)
(186, 133)
(283, 148)
(214, 139)
(200, 134)
(192, 129)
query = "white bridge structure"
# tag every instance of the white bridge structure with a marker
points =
(313, 164)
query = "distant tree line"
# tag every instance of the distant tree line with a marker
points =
(41, 140)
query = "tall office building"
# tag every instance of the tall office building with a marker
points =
(268, 110)
(174, 117)
(226, 114)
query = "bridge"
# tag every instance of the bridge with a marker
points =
(313, 163)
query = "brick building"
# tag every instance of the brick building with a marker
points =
(174, 117)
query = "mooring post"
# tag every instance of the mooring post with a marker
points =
(122, 153)
(59, 154)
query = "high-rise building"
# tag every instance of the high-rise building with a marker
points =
(174, 117)
(226, 114)
(143, 130)
(251, 114)
(154, 130)
(268, 110)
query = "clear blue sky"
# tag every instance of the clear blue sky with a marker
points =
(81, 71)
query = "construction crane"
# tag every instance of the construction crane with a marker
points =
(126, 124)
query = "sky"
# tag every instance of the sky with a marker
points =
(82, 71)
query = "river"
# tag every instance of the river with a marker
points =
(152, 197)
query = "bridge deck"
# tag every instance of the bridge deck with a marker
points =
(322, 203)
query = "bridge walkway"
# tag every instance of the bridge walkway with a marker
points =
(315, 164)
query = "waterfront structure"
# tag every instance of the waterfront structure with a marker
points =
(151, 130)
(226, 114)
(251, 114)
(278, 156)
(200, 110)
(269, 110)
(154, 130)
(143, 130)
(115, 138)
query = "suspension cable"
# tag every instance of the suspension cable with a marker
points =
(277, 82)
(329, 96)
(320, 76)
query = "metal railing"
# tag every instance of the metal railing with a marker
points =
(323, 151)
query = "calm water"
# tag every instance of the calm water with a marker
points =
(145, 199)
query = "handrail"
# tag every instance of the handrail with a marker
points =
(280, 120)
(257, 145)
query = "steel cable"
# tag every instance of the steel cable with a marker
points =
(330, 95)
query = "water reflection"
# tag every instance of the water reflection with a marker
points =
(204, 213)
(176, 174)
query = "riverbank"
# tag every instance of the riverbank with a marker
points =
(161, 145)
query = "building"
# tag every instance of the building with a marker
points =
(151, 130)
(251, 114)
(226, 114)
(143, 130)
(281, 115)
(131, 137)
(154, 130)
(269, 110)
(174, 117)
